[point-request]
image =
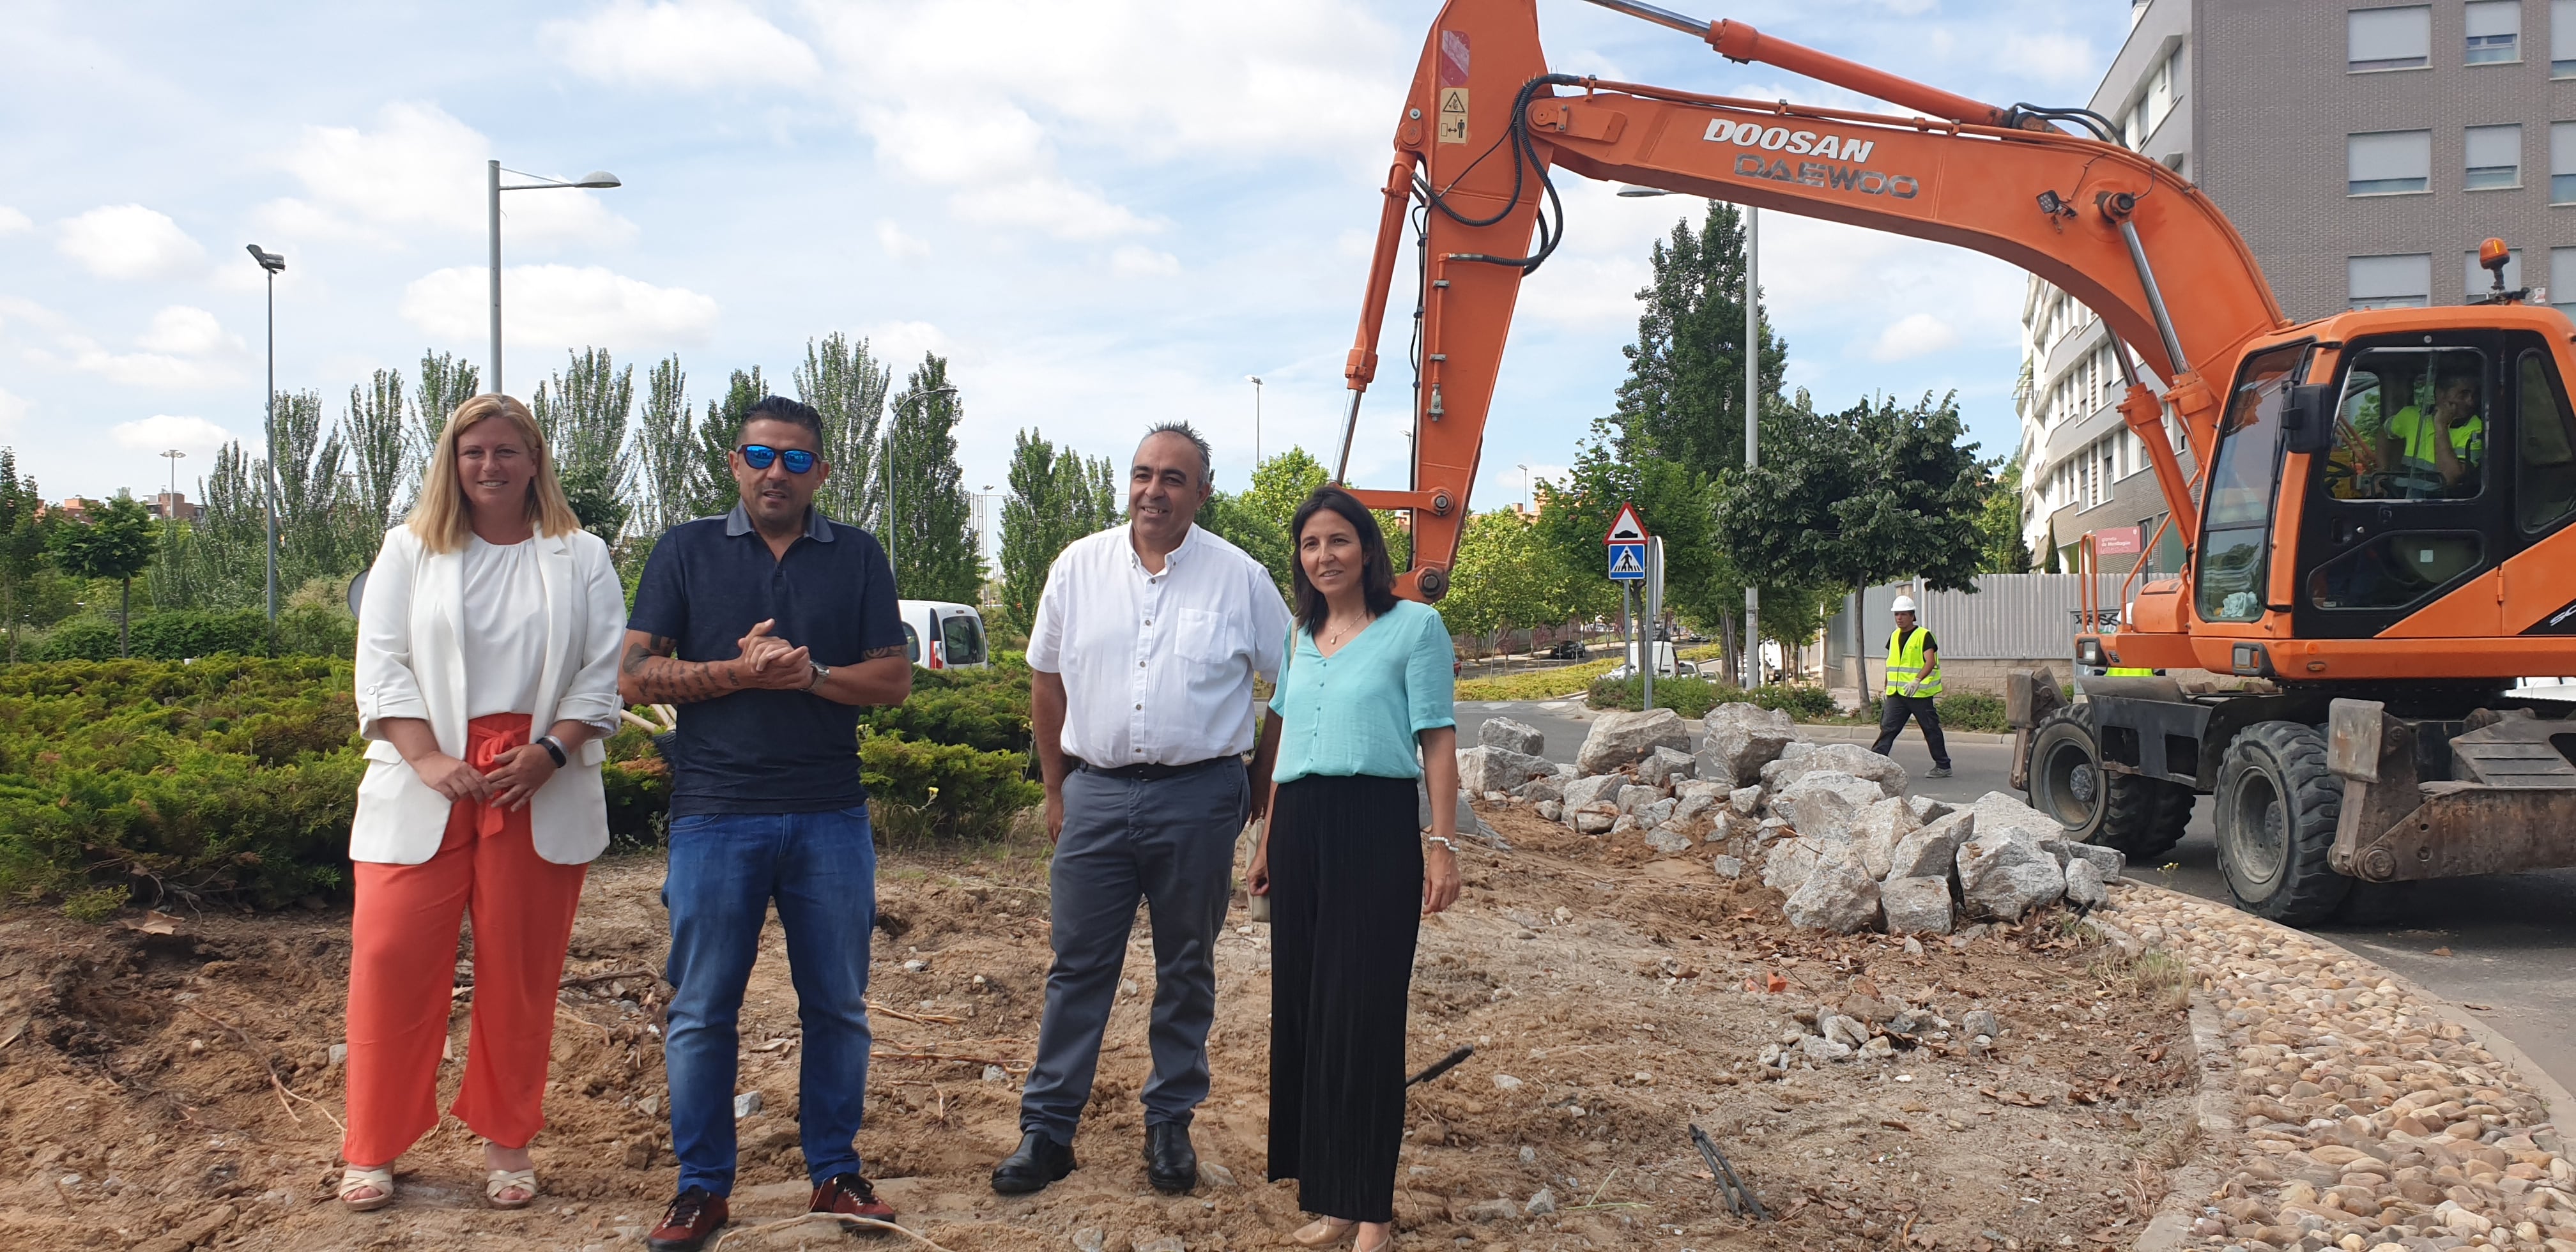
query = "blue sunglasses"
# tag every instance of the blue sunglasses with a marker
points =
(760, 455)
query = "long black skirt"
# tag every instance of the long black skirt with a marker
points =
(1346, 908)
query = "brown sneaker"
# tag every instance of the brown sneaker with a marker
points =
(693, 1218)
(850, 1195)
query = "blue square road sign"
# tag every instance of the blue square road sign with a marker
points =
(1628, 561)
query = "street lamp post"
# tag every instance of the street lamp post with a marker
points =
(170, 502)
(1255, 379)
(273, 262)
(494, 187)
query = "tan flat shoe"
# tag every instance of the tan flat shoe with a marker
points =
(380, 1181)
(523, 1181)
(1323, 1232)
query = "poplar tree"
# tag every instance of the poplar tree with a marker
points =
(712, 491)
(445, 382)
(848, 387)
(665, 442)
(928, 514)
(380, 454)
(582, 413)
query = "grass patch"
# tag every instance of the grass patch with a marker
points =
(1546, 684)
(1694, 697)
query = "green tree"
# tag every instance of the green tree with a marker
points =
(1283, 482)
(312, 491)
(1618, 465)
(664, 446)
(1507, 578)
(1876, 492)
(1684, 393)
(582, 413)
(22, 544)
(1240, 520)
(116, 542)
(445, 383)
(1056, 496)
(848, 387)
(380, 454)
(1999, 522)
(712, 492)
(929, 517)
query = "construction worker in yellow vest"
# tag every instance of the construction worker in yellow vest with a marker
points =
(1913, 687)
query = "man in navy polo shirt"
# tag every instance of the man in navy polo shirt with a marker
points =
(771, 625)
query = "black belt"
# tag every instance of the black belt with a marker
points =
(1152, 773)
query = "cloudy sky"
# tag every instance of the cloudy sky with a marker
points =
(1105, 213)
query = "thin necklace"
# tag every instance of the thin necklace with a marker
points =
(1335, 640)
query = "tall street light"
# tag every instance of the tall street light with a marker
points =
(273, 263)
(1255, 380)
(914, 399)
(170, 502)
(593, 180)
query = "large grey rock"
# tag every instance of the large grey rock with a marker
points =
(1621, 738)
(1746, 713)
(1916, 906)
(1790, 862)
(2107, 862)
(1668, 840)
(1583, 793)
(1487, 768)
(1503, 732)
(1592, 822)
(1624, 823)
(1746, 801)
(1691, 807)
(1996, 810)
(1850, 758)
(1876, 830)
(1664, 767)
(1926, 809)
(1548, 810)
(2004, 873)
(1735, 753)
(1658, 813)
(1634, 798)
(1727, 867)
(2084, 885)
(1824, 802)
(1930, 851)
(1838, 896)
(1536, 790)
(1819, 1049)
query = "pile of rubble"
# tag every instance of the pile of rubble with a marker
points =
(1829, 824)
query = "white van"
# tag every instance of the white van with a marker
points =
(954, 634)
(1668, 663)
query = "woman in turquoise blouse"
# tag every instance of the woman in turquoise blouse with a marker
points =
(1362, 712)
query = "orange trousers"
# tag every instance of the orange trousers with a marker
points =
(402, 971)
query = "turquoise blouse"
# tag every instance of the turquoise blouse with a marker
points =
(1358, 710)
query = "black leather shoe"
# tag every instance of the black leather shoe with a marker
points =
(1039, 1161)
(1171, 1164)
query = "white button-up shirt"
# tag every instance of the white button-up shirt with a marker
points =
(1157, 668)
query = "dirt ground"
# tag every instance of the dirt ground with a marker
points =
(168, 1090)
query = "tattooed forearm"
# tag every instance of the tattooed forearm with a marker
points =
(892, 649)
(651, 675)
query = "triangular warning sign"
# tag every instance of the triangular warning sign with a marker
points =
(1627, 527)
(1623, 560)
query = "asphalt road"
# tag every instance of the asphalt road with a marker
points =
(2504, 946)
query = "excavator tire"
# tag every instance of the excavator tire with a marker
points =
(2277, 805)
(2141, 818)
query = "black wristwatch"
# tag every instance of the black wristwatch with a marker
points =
(822, 673)
(553, 749)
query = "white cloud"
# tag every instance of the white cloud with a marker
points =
(901, 344)
(135, 369)
(1913, 335)
(193, 435)
(1138, 261)
(183, 331)
(12, 221)
(899, 243)
(13, 409)
(422, 169)
(128, 241)
(559, 306)
(691, 44)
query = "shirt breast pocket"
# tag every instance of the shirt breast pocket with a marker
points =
(1203, 638)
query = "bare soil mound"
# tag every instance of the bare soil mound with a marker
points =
(172, 1084)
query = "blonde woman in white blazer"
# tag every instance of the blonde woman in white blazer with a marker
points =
(489, 613)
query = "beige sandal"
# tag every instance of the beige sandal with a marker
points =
(501, 1180)
(354, 1179)
(1323, 1232)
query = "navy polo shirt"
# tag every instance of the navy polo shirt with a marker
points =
(760, 751)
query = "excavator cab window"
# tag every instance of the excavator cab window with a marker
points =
(2412, 426)
(2244, 482)
(2545, 470)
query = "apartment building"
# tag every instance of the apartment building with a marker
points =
(2363, 148)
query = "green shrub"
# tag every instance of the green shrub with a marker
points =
(987, 716)
(639, 800)
(1694, 697)
(317, 630)
(1972, 710)
(945, 789)
(1802, 701)
(81, 639)
(190, 633)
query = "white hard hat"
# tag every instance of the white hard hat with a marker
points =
(1904, 604)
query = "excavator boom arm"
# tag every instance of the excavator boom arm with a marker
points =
(1485, 122)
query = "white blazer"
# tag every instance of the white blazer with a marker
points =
(411, 664)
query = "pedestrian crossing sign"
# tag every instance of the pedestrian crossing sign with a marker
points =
(1628, 561)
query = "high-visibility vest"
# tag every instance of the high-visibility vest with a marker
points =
(1907, 674)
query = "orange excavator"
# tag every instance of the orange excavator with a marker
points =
(2376, 520)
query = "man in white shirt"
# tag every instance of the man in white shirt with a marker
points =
(1146, 642)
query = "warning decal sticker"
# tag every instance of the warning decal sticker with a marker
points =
(1453, 115)
(1453, 59)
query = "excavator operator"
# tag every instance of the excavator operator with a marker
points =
(2439, 456)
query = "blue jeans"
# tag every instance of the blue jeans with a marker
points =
(725, 869)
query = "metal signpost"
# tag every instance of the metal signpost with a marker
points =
(1629, 553)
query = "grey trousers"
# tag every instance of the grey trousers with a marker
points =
(1170, 843)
